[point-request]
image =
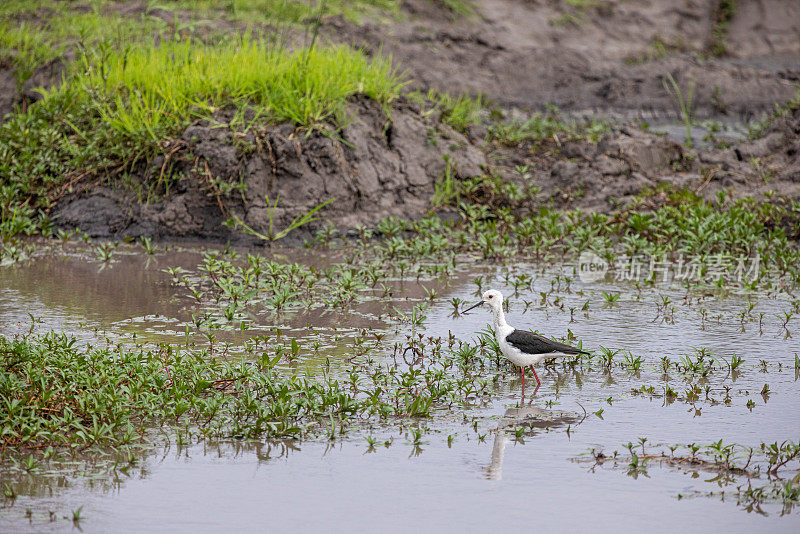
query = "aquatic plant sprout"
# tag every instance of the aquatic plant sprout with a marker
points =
(271, 234)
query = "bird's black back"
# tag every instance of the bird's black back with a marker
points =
(531, 343)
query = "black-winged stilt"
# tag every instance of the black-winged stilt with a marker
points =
(521, 347)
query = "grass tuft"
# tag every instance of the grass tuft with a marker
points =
(145, 90)
(722, 15)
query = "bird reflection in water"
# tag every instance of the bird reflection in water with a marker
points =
(528, 418)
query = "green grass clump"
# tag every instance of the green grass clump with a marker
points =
(30, 45)
(52, 28)
(148, 90)
(460, 112)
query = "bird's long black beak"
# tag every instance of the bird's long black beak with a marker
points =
(471, 308)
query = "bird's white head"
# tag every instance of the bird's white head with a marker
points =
(493, 298)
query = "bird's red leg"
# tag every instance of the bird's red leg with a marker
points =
(522, 371)
(538, 382)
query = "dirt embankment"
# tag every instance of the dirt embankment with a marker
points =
(610, 57)
(383, 167)
(376, 168)
(629, 161)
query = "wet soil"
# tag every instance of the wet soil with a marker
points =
(609, 56)
(616, 171)
(391, 167)
(605, 60)
(374, 167)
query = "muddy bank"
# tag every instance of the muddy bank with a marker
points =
(373, 168)
(608, 56)
(379, 167)
(630, 161)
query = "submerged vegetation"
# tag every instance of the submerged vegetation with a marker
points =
(738, 469)
(58, 394)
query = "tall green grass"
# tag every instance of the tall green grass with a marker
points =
(146, 91)
(53, 27)
(29, 45)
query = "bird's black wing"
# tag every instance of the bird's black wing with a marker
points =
(531, 343)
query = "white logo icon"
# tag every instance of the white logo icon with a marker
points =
(591, 267)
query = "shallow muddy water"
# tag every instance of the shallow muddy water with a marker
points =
(469, 471)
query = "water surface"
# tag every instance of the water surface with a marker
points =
(480, 478)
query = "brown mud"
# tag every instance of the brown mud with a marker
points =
(390, 167)
(607, 60)
(373, 168)
(608, 57)
(628, 162)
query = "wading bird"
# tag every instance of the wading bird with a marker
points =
(520, 347)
